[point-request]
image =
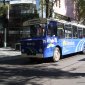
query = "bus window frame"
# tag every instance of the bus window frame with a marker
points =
(83, 32)
(62, 29)
(69, 27)
(80, 29)
(74, 31)
(51, 31)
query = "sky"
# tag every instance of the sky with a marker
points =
(22, 1)
(37, 3)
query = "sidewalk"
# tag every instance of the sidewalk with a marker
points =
(9, 52)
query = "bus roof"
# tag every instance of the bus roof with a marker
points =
(42, 21)
(35, 21)
(45, 20)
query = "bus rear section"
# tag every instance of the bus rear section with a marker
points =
(32, 48)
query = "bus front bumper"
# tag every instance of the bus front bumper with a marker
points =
(32, 56)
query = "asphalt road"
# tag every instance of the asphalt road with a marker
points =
(17, 70)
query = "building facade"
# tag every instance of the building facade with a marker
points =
(66, 8)
(19, 11)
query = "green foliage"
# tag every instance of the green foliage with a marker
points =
(81, 8)
(80, 5)
(3, 9)
(46, 5)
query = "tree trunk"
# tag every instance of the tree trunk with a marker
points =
(47, 8)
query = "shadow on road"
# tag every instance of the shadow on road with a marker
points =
(33, 76)
(16, 70)
(14, 60)
(82, 59)
(18, 60)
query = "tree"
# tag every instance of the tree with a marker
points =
(47, 6)
(80, 10)
(3, 14)
(3, 9)
(42, 7)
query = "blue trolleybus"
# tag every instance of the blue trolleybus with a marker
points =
(45, 38)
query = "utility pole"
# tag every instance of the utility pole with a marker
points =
(5, 30)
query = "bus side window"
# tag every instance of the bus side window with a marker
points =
(75, 33)
(68, 31)
(60, 30)
(84, 32)
(80, 32)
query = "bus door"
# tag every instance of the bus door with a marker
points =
(51, 39)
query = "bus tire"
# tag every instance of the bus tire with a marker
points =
(83, 51)
(56, 54)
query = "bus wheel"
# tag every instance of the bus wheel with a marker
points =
(84, 50)
(56, 54)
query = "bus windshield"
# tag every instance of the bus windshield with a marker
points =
(37, 30)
